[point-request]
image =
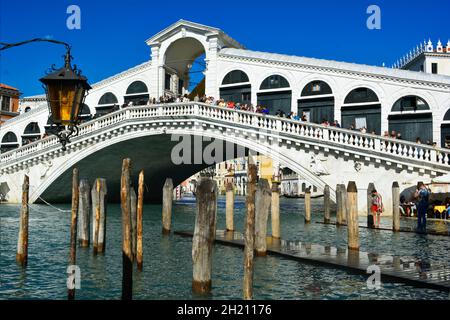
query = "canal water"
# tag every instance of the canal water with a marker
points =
(167, 270)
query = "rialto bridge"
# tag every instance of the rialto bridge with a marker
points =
(416, 104)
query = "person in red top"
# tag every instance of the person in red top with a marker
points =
(231, 105)
(376, 207)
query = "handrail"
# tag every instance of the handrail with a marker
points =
(312, 131)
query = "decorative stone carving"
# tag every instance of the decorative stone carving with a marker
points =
(317, 166)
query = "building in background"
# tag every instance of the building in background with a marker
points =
(9, 102)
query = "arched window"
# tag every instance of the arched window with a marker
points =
(447, 115)
(410, 103)
(277, 100)
(236, 76)
(32, 129)
(445, 131)
(31, 133)
(362, 109)
(9, 142)
(274, 82)
(361, 95)
(108, 98)
(85, 113)
(316, 88)
(409, 123)
(137, 87)
(137, 94)
(316, 109)
(237, 88)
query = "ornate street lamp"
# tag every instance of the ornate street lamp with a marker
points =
(66, 90)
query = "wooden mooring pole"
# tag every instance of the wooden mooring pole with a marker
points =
(133, 208)
(98, 195)
(84, 213)
(204, 236)
(327, 204)
(229, 206)
(395, 206)
(22, 244)
(140, 211)
(308, 205)
(167, 206)
(370, 217)
(263, 197)
(249, 237)
(352, 221)
(73, 228)
(127, 265)
(275, 210)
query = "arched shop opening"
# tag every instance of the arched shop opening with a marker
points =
(317, 102)
(85, 113)
(275, 94)
(445, 130)
(362, 109)
(9, 142)
(106, 104)
(411, 116)
(185, 68)
(137, 93)
(31, 133)
(236, 87)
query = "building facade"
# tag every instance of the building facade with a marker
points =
(9, 102)
(378, 99)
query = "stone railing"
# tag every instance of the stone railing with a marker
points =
(343, 139)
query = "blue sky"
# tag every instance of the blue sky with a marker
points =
(112, 33)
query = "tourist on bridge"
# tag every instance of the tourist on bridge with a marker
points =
(377, 207)
(422, 195)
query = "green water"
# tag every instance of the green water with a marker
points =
(167, 270)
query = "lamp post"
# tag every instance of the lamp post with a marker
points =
(66, 90)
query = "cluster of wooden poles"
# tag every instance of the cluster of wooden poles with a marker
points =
(260, 199)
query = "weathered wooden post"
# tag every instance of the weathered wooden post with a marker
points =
(73, 228)
(249, 237)
(98, 195)
(84, 212)
(263, 197)
(370, 216)
(275, 210)
(139, 222)
(353, 225)
(339, 208)
(327, 204)
(167, 205)
(127, 265)
(204, 236)
(133, 208)
(229, 206)
(344, 203)
(308, 205)
(22, 243)
(395, 206)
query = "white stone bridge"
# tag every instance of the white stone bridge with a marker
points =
(323, 155)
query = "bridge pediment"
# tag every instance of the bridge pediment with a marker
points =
(183, 28)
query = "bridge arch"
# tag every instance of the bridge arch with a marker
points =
(121, 141)
(236, 86)
(180, 56)
(411, 116)
(361, 108)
